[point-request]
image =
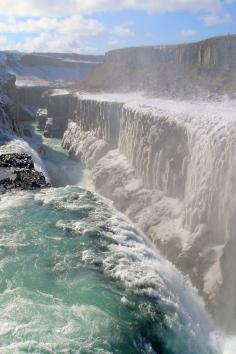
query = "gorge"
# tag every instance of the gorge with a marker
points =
(165, 159)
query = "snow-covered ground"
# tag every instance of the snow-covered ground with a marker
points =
(34, 71)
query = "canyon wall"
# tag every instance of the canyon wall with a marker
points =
(40, 69)
(37, 73)
(59, 104)
(169, 166)
(204, 69)
(8, 104)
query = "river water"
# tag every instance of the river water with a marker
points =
(77, 277)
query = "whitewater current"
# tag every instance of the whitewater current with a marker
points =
(77, 277)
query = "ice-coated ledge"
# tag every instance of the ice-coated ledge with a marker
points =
(170, 166)
(207, 112)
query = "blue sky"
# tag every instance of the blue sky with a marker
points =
(96, 26)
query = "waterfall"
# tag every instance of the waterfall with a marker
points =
(83, 253)
(169, 165)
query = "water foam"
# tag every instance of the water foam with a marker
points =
(169, 165)
(15, 144)
(131, 260)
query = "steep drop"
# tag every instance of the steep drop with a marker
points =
(169, 166)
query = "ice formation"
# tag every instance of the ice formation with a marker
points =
(169, 165)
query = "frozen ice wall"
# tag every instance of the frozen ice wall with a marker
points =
(170, 166)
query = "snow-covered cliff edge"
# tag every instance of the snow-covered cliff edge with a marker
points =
(169, 165)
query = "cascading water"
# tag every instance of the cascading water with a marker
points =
(76, 277)
(169, 165)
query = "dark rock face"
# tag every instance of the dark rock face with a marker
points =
(16, 161)
(24, 179)
(8, 104)
(26, 114)
(54, 119)
(54, 128)
(27, 132)
(31, 95)
(59, 108)
(42, 119)
(19, 173)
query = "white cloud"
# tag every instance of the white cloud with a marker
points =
(3, 40)
(82, 27)
(58, 8)
(59, 25)
(189, 32)
(48, 34)
(36, 8)
(123, 31)
(212, 20)
(45, 42)
(14, 25)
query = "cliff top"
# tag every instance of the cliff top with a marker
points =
(211, 40)
(46, 69)
(206, 68)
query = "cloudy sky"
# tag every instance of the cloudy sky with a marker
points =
(96, 26)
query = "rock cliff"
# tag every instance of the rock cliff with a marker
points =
(45, 69)
(206, 69)
(169, 166)
(8, 104)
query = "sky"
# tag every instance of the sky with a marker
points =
(97, 26)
